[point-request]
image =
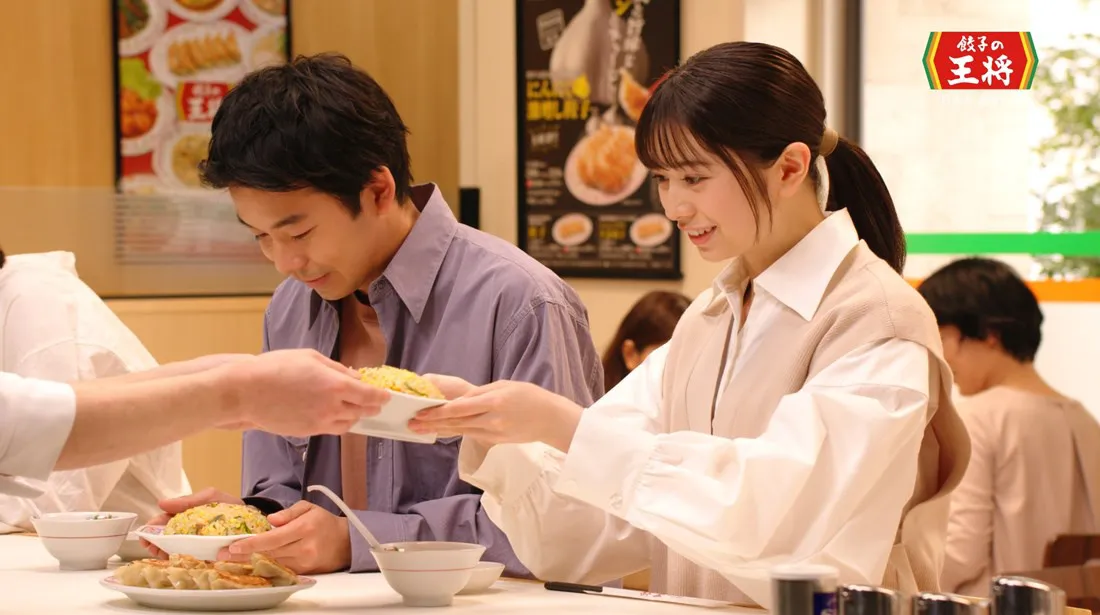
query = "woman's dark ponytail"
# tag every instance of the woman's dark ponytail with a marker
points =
(855, 184)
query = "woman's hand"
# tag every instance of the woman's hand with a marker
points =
(502, 412)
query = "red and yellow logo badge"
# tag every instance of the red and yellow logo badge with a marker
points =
(980, 60)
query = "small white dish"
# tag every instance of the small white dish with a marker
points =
(393, 420)
(83, 540)
(199, 547)
(143, 38)
(482, 577)
(571, 230)
(132, 549)
(427, 573)
(209, 600)
(650, 230)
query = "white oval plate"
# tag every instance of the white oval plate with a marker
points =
(200, 547)
(393, 421)
(143, 39)
(162, 157)
(575, 239)
(590, 195)
(258, 35)
(260, 17)
(214, 13)
(158, 57)
(652, 240)
(209, 600)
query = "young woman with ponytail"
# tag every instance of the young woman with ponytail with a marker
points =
(801, 414)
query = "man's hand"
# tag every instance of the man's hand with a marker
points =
(452, 387)
(298, 393)
(307, 539)
(175, 506)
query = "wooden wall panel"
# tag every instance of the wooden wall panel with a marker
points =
(411, 48)
(56, 106)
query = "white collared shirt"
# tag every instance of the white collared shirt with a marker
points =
(672, 484)
(54, 327)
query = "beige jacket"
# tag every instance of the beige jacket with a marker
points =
(831, 418)
(866, 302)
(1034, 474)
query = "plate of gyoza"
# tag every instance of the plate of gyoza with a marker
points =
(185, 583)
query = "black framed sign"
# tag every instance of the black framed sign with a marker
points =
(585, 69)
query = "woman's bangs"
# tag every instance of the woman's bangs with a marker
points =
(663, 139)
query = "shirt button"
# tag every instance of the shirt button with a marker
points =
(303, 455)
(616, 502)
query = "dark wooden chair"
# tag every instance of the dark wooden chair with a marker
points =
(1072, 563)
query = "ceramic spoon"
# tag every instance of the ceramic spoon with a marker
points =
(362, 529)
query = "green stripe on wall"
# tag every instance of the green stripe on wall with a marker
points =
(1067, 244)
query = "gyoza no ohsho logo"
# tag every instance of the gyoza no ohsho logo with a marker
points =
(980, 60)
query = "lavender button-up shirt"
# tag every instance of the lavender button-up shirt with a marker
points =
(452, 301)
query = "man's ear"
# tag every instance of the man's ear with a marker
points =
(381, 193)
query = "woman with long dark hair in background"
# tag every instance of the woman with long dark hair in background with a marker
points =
(649, 324)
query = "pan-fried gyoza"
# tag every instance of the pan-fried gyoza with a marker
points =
(186, 572)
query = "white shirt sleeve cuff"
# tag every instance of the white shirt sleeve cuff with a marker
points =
(42, 415)
(506, 472)
(606, 460)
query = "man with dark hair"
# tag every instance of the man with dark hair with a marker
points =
(1034, 468)
(990, 321)
(314, 156)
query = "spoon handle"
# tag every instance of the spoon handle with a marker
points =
(362, 529)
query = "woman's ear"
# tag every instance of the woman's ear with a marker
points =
(631, 357)
(791, 169)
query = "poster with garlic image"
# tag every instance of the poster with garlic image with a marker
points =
(585, 69)
(175, 61)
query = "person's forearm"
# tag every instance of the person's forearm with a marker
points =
(126, 418)
(168, 370)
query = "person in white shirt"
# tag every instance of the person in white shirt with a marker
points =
(48, 426)
(801, 412)
(54, 327)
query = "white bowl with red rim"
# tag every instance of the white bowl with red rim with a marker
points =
(427, 573)
(83, 540)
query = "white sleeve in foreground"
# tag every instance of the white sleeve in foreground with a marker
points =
(36, 417)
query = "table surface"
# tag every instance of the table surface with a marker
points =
(30, 582)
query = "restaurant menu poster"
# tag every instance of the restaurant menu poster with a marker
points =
(176, 60)
(587, 206)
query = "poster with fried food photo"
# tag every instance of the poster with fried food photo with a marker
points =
(585, 70)
(175, 61)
